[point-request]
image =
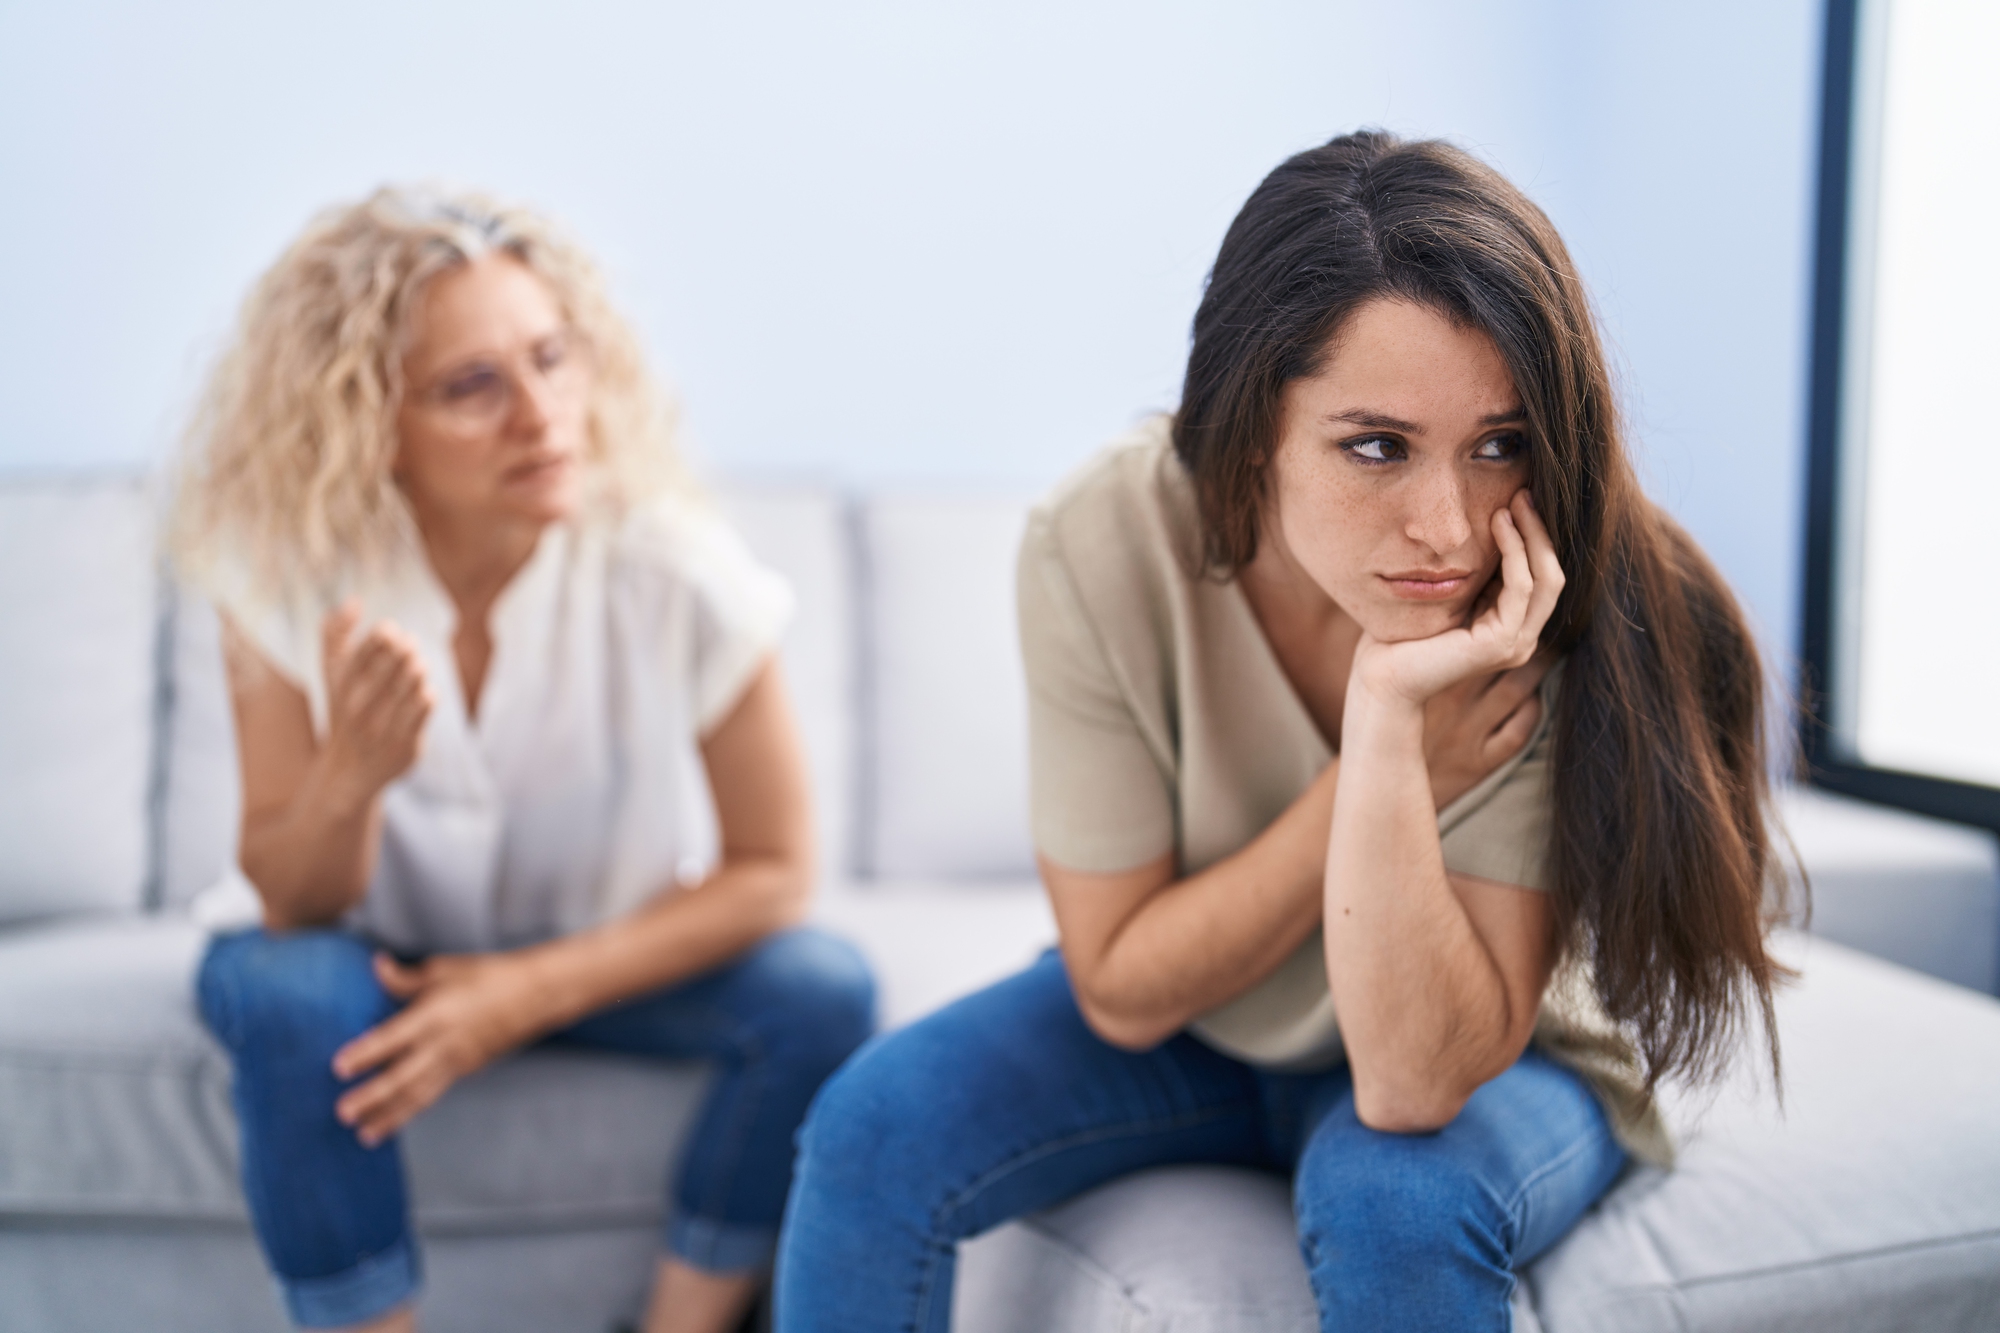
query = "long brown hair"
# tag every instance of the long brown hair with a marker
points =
(1659, 848)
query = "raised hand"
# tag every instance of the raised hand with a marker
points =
(1501, 635)
(378, 698)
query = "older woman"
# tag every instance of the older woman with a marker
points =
(490, 664)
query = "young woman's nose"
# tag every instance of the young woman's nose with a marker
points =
(1437, 514)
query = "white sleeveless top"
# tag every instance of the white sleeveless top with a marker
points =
(578, 791)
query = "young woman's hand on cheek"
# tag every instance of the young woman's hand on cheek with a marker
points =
(461, 1012)
(1502, 634)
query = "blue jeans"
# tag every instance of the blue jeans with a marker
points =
(333, 1216)
(1005, 1103)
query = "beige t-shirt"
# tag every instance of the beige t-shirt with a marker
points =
(1160, 721)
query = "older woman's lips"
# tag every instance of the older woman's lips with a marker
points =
(536, 467)
(1428, 586)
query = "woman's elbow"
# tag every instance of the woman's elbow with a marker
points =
(1126, 1031)
(1410, 1108)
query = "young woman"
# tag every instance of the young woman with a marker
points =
(1398, 785)
(489, 665)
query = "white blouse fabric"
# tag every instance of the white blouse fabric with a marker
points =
(577, 791)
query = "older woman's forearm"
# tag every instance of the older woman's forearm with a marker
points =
(1423, 1007)
(675, 936)
(311, 858)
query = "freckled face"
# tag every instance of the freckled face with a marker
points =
(1390, 464)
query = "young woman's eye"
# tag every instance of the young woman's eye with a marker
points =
(551, 354)
(1375, 449)
(1502, 448)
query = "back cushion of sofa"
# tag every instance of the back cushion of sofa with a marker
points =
(946, 756)
(203, 796)
(804, 534)
(77, 629)
(800, 532)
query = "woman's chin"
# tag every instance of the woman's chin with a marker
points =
(1403, 621)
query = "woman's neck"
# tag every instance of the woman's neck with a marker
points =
(1310, 635)
(476, 559)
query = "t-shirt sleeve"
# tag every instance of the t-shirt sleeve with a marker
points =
(1500, 829)
(741, 611)
(286, 637)
(1100, 801)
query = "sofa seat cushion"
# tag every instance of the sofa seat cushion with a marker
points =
(1871, 1202)
(114, 1103)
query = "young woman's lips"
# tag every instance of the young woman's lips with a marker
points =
(1426, 585)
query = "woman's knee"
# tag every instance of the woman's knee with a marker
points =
(815, 993)
(875, 1122)
(1367, 1199)
(304, 991)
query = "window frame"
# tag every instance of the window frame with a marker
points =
(1840, 138)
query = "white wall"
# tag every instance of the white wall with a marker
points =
(899, 242)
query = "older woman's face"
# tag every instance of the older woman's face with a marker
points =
(495, 408)
(1390, 463)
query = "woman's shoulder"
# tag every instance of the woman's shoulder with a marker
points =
(676, 545)
(1128, 514)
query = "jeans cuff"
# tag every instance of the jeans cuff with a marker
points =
(378, 1284)
(721, 1247)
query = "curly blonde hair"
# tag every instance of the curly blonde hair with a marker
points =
(285, 488)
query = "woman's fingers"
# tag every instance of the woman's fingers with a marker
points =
(336, 635)
(398, 978)
(1547, 570)
(378, 1045)
(390, 1100)
(403, 1104)
(1516, 575)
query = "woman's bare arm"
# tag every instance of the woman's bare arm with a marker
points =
(763, 883)
(1437, 978)
(464, 1010)
(312, 808)
(1148, 952)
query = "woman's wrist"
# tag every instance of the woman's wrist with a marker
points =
(337, 787)
(542, 994)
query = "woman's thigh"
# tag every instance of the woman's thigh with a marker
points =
(797, 995)
(998, 1105)
(1433, 1226)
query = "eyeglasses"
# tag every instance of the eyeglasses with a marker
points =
(483, 393)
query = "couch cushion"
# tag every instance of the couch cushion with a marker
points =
(1873, 1202)
(946, 775)
(76, 656)
(931, 942)
(1915, 891)
(806, 535)
(114, 1103)
(114, 1100)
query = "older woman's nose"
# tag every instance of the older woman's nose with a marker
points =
(1438, 516)
(534, 404)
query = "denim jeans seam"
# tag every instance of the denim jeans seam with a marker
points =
(1100, 1133)
(1512, 1209)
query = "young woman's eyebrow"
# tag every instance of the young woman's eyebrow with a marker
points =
(1373, 420)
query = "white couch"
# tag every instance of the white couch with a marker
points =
(1872, 1203)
